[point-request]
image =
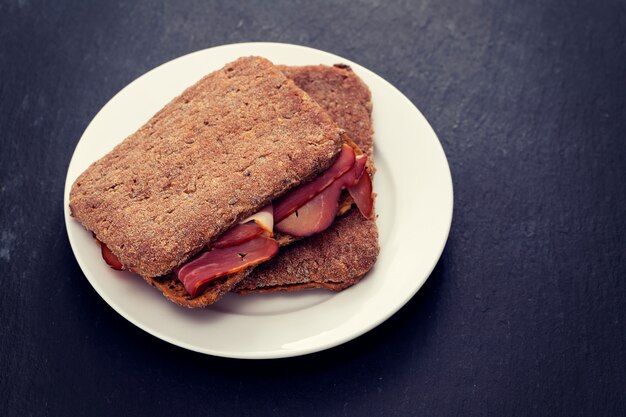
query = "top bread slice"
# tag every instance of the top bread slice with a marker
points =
(341, 255)
(237, 139)
(349, 248)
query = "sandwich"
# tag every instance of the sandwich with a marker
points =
(340, 256)
(240, 164)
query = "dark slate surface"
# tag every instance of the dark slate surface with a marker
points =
(524, 314)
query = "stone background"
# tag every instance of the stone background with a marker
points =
(524, 314)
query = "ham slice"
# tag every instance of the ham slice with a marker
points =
(354, 175)
(238, 234)
(224, 261)
(110, 258)
(361, 193)
(303, 194)
(318, 214)
(315, 216)
(251, 227)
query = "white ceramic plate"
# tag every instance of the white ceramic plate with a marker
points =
(414, 206)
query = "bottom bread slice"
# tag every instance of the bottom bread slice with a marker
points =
(334, 259)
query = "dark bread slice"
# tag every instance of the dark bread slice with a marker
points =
(208, 159)
(343, 95)
(334, 259)
(341, 255)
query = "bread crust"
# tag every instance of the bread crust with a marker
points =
(231, 143)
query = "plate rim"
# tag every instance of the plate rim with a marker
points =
(277, 353)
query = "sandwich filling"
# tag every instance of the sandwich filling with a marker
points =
(304, 211)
